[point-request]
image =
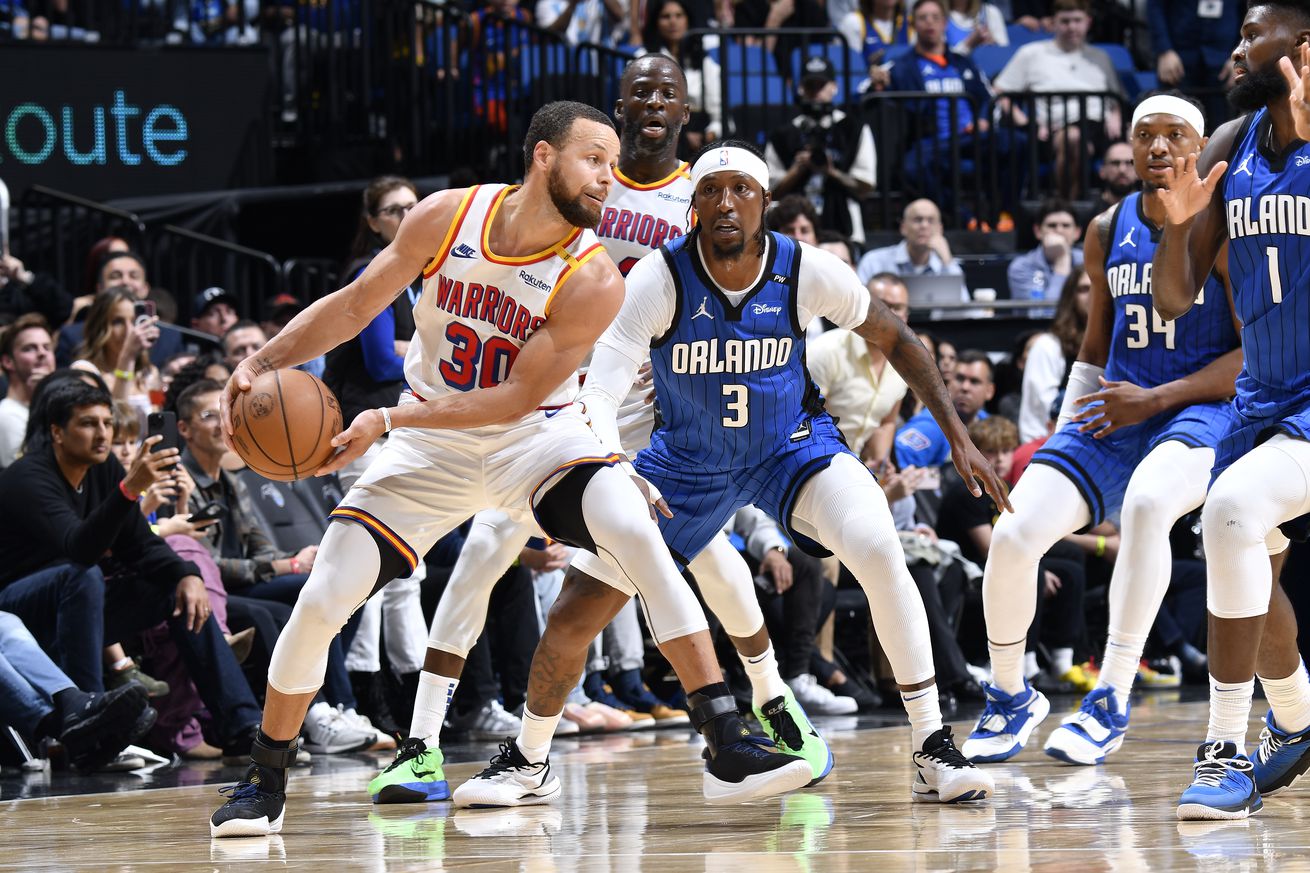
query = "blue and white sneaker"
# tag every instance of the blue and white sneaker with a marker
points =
(1281, 758)
(1005, 724)
(1223, 787)
(1091, 733)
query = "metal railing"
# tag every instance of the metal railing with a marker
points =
(54, 231)
(186, 262)
(308, 279)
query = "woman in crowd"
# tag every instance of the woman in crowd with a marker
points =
(667, 23)
(1051, 354)
(116, 347)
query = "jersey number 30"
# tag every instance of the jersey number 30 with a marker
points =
(736, 406)
(474, 363)
(1138, 335)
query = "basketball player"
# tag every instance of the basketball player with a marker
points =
(1144, 442)
(1248, 189)
(515, 295)
(722, 312)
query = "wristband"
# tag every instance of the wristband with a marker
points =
(122, 489)
(1100, 547)
(124, 374)
(386, 418)
(295, 566)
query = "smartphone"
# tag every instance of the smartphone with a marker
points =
(162, 424)
(143, 309)
(210, 512)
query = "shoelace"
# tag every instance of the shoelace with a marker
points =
(787, 729)
(994, 711)
(240, 791)
(756, 746)
(1092, 708)
(408, 751)
(1212, 770)
(1269, 744)
(949, 755)
(501, 761)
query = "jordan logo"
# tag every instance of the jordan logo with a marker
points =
(1128, 238)
(704, 302)
(1245, 166)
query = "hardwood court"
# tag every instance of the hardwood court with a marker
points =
(633, 803)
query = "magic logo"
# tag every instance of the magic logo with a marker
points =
(117, 133)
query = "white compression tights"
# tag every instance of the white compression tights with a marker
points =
(843, 508)
(729, 590)
(1261, 490)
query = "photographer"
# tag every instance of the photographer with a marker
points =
(824, 153)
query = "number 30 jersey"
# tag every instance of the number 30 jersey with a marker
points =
(478, 308)
(1145, 349)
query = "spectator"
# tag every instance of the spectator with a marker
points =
(76, 545)
(1193, 44)
(214, 311)
(1075, 127)
(920, 442)
(785, 14)
(946, 358)
(1118, 175)
(117, 269)
(241, 341)
(795, 216)
(923, 251)
(667, 23)
(95, 258)
(219, 23)
(973, 23)
(116, 345)
(22, 291)
(824, 153)
(1052, 354)
(27, 357)
(578, 21)
(39, 700)
(494, 48)
(1041, 273)
(876, 30)
(862, 390)
(834, 243)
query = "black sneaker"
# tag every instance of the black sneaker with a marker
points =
(107, 724)
(255, 805)
(751, 768)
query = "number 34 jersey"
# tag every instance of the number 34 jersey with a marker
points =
(478, 308)
(1145, 349)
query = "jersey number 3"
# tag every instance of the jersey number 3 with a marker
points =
(474, 363)
(736, 406)
(1138, 336)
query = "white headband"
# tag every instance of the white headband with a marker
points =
(1165, 104)
(730, 158)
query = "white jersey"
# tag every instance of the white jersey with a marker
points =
(479, 308)
(638, 219)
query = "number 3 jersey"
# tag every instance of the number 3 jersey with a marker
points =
(1144, 349)
(478, 308)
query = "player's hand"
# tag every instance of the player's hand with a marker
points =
(192, 601)
(354, 441)
(554, 557)
(239, 383)
(654, 498)
(1298, 86)
(778, 568)
(975, 471)
(1185, 193)
(1116, 405)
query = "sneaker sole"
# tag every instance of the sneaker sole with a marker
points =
(1288, 776)
(789, 777)
(247, 827)
(413, 792)
(1037, 715)
(1070, 757)
(930, 796)
(1201, 812)
(529, 799)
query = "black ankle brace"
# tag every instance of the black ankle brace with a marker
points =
(715, 716)
(274, 754)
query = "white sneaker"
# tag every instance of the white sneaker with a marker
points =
(327, 731)
(511, 780)
(818, 700)
(492, 722)
(946, 776)
(381, 742)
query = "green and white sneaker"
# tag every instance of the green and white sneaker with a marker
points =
(785, 722)
(414, 777)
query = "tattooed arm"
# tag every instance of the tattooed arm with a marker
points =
(911, 360)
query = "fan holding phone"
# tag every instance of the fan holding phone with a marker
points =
(160, 500)
(120, 331)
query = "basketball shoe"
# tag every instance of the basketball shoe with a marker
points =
(785, 722)
(751, 768)
(415, 776)
(255, 806)
(1006, 723)
(1281, 758)
(946, 776)
(1223, 785)
(1091, 733)
(510, 780)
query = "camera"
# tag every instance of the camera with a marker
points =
(817, 134)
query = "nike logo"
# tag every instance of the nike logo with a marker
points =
(552, 413)
(422, 773)
(463, 250)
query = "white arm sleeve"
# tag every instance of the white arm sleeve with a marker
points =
(831, 289)
(647, 313)
(1082, 381)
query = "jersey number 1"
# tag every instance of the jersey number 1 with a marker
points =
(739, 412)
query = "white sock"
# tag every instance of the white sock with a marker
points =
(1230, 709)
(1008, 666)
(430, 706)
(1123, 653)
(1030, 668)
(766, 682)
(536, 733)
(925, 713)
(1061, 661)
(1289, 699)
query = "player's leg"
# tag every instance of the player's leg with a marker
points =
(843, 507)
(1169, 482)
(1284, 751)
(1264, 488)
(729, 590)
(1047, 506)
(494, 542)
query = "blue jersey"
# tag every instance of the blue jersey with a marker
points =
(1267, 211)
(1145, 349)
(731, 379)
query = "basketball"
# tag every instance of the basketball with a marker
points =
(283, 426)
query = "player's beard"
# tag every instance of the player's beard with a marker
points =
(576, 210)
(633, 143)
(1256, 90)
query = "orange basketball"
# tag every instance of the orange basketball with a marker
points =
(283, 426)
